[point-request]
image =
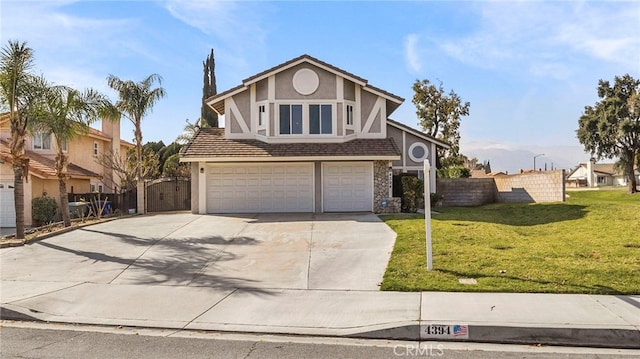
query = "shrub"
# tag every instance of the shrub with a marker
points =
(435, 198)
(454, 172)
(43, 210)
(412, 193)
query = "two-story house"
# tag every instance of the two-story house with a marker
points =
(303, 136)
(85, 173)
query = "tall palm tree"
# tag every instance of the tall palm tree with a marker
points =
(17, 95)
(66, 113)
(136, 100)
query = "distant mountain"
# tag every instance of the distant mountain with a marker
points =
(512, 160)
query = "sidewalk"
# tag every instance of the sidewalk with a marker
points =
(281, 274)
(550, 319)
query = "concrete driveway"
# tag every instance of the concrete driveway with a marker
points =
(253, 252)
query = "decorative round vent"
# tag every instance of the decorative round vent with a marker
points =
(418, 152)
(305, 81)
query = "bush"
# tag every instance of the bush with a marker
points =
(454, 172)
(435, 198)
(412, 193)
(43, 210)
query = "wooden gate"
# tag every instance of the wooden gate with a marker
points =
(168, 194)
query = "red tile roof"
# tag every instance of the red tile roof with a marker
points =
(211, 143)
(44, 167)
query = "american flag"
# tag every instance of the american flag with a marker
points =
(460, 330)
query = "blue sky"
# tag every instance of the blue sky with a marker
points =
(528, 68)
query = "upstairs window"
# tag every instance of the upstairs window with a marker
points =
(290, 119)
(349, 115)
(42, 141)
(262, 115)
(95, 149)
(320, 119)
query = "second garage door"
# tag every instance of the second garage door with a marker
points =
(260, 187)
(347, 186)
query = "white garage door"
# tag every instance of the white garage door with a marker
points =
(347, 186)
(7, 207)
(258, 187)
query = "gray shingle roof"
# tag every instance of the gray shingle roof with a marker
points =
(211, 143)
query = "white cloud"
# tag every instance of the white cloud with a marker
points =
(58, 38)
(549, 38)
(411, 54)
(239, 26)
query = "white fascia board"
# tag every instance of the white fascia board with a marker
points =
(233, 93)
(304, 60)
(419, 134)
(289, 159)
(383, 95)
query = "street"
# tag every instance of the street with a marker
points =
(37, 340)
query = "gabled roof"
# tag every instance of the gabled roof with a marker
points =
(210, 144)
(44, 167)
(217, 101)
(415, 132)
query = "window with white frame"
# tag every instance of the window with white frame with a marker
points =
(349, 109)
(95, 149)
(262, 115)
(290, 119)
(320, 119)
(42, 141)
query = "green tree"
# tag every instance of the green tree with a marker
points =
(439, 115)
(173, 168)
(17, 95)
(66, 113)
(126, 167)
(209, 118)
(136, 100)
(188, 132)
(611, 128)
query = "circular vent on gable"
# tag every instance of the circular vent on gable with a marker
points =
(418, 152)
(305, 81)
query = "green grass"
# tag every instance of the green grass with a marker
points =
(588, 244)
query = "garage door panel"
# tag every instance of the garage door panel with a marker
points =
(244, 188)
(347, 186)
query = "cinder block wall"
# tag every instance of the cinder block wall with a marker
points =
(466, 191)
(545, 186)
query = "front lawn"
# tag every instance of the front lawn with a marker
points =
(588, 244)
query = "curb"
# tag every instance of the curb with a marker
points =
(613, 338)
(618, 338)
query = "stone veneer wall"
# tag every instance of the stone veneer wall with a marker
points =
(381, 187)
(547, 186)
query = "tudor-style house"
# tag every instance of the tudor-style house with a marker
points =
(304, 136)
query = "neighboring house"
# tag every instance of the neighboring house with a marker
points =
(303, 136)
(85, 174)
(591, 174)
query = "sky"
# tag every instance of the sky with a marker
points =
(528, 68)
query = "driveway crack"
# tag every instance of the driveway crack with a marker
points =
(309, 258)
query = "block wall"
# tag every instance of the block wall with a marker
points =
(547, 186)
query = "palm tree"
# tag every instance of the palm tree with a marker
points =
(17, 95)
(135, 101)
(66, 113)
